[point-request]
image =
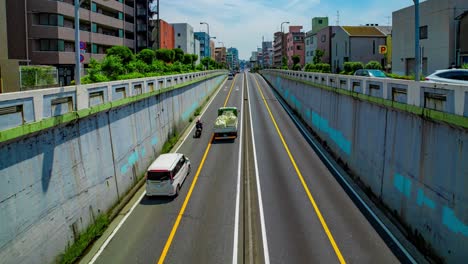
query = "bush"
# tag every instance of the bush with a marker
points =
(123, 52)
(133, 75)
(165, 55)
(319, 67)
(374, 65)
(138, 66)
(297, 67)
(352, 66)
(146, 55)
(178, 54)
(112, 67)
(464, 66)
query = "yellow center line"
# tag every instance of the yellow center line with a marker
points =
(230, 90)
(301, 178)
(189, 194)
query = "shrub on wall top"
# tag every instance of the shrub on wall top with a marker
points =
(374, 65)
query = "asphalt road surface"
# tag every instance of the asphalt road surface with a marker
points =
(265, 197)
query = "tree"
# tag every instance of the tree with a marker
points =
(146, 55)
(284, 61)
(296, 59)
(165, 55)
(188, 59)
(179, 55)
(122, 52)
(318, 56)
(112, 66)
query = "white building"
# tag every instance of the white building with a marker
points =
(196, 49)
(438, 36)
(183, 36)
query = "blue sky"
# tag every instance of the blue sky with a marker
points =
(242, 23)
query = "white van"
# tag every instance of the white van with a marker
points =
(166, 174)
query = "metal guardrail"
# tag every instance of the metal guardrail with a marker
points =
(25, 107)
(448, 98)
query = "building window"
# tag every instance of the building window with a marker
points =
(120, 16)
(423, 32)
(93, 27)
(50, 19)
(323, 38)
(93, 7)
(320, 21)
(373, 47)
(121, 33)
(52, 45)
(178, 46)
(178, 34)
(94, 48)
(299, 47)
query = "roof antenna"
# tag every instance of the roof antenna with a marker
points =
(388, 20)
(337, 17)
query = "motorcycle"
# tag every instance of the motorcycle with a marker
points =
(198, 131)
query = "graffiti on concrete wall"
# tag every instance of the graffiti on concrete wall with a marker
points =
(405, 184)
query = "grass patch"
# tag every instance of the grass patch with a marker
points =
(93, 232)
(170, 143)
(197, 111)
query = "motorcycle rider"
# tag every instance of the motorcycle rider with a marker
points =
(199, 124)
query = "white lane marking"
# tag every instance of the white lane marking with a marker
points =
(317, 148)
(259, 189)
(103, 246)
(239, 164)
(101, 249)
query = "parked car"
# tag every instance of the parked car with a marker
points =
(459, 76)
(370, 73)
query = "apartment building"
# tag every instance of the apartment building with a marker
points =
(267, 54)
(42, 31)
(441, 36)
(234, 61)
(184, 38)
(279, 49)
(204, 40)
(167, 38)
(295, 44)
(220, 55)
(318, 23)
(212, 49)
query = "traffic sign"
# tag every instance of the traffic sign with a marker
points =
(82, 45)
(382, 49)
(81, 58)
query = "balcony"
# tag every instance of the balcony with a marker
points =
(142, 28)
(141, 12)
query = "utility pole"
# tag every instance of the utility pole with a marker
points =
(417, 54)
(158, 32)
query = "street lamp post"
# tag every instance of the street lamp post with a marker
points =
(77, 42)
(417, 54)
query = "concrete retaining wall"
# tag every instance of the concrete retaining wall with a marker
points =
(56, 181)
(416, 163)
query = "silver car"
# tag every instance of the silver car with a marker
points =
(458, 76)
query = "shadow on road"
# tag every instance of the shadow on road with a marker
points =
(155, 200)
